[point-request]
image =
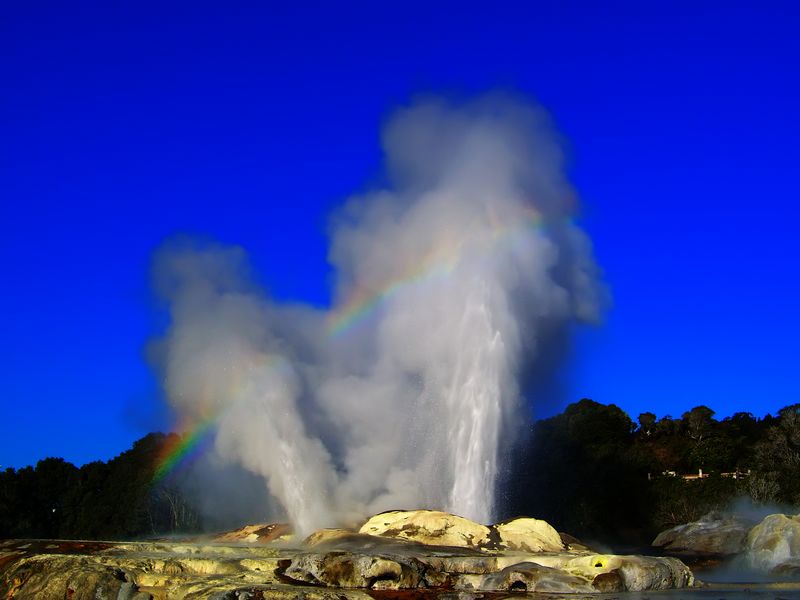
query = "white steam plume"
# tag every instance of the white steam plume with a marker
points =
(446, 284)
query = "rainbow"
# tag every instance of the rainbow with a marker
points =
(197, 435)
(438, 264)
(184, 449)
(364, 301)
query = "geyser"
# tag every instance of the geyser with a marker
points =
(445, 282)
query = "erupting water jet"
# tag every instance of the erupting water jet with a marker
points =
(399, 394)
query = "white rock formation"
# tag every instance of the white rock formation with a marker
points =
(430, 527)
(528, 535)
(774, 544)
(713, 534)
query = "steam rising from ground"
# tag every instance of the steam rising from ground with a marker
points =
(447, 284)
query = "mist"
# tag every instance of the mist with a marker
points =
(453, 284)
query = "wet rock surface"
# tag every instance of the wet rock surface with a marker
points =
(770, 547)
(430, 527)
(528, 535)
(427, 554)
(774, 545)
(133, 570)
(263, 533)
(533, 577)
(715, 534)
(137, 571)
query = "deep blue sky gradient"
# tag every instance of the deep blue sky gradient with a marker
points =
(126, 123)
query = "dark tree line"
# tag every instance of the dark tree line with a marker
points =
(593, 472)
(100, 500)
(590, 471)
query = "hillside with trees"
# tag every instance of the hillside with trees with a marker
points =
(594, 472)
(110, 500)
(590, 471)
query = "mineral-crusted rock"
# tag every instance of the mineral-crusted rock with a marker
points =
(774, 544)
(529, 577)
(637, 573)
(640, 573)
(348, 570)
(629, 573)
(714, 534)
(771, 546)
(442, 529)
(349, 541)
(556, 573)
(573, 544)
(392, 570)
(528, 535)
(428, 527)
(609, 582)
(327, 537)
(42, 570)
(262, 533)
(63, 577)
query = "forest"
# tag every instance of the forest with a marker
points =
(590, 471)
(593, 472)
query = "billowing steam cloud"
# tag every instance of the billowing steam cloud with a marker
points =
(446, 282)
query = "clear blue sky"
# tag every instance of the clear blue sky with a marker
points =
(126, 122)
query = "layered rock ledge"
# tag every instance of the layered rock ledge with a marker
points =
(426, 553)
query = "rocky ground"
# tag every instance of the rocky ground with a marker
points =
(393, 556)
(770, 546)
